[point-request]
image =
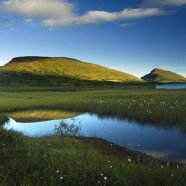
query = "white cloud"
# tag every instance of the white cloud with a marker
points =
(126, 14)
(39, 8)
(42, 9)
(60, 12)
(154, 3)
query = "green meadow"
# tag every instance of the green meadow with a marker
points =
(57, 160)
(161, 107)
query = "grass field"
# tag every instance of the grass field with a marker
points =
(161, 107)
(79, 161)
(55, 160)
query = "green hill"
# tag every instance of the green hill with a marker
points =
(163, 76)
(58, 71)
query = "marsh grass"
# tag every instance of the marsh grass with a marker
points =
(52, 160)
(161, 107)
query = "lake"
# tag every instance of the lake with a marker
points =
(165, 143)
(172, 86)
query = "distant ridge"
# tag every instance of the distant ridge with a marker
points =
(36, 70)
(163, 76)
(26, 59)
(34, 58)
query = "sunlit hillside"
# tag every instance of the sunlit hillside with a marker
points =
(163, 76)
(57, 70)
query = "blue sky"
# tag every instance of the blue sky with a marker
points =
(131, 36)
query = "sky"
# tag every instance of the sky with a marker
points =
(133, 36)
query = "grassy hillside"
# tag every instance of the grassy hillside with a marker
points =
(163, 76)
(56, 71)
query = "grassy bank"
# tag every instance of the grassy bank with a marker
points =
(78, 161)
(163, 107)
(3, 119)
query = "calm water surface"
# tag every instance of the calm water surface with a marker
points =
(172, 86)
(168, 144)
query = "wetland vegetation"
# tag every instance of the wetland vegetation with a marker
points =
(162, 107)
(52, 160)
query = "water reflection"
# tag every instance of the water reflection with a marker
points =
(168, 144)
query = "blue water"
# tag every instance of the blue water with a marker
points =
(167, 144)
(172, 86)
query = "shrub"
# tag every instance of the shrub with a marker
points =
(64, 129)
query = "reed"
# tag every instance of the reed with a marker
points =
(161, 107)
